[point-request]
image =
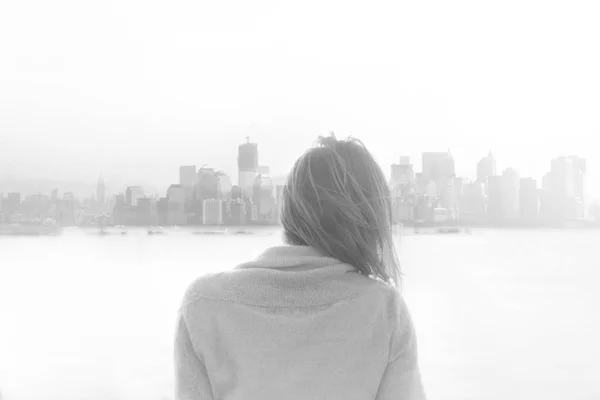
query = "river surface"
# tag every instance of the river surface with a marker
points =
(500, 314)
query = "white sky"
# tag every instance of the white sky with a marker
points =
(136, 88)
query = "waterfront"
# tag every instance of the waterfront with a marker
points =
(499, 313)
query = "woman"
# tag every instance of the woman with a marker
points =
(318, 318)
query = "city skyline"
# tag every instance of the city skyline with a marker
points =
(111, 188)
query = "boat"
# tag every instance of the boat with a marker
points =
(242, 233)
(209, 233)
(448, 230)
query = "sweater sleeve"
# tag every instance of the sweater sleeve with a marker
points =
(402, 378)
(191, 378)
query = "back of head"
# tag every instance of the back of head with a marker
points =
(336, 200)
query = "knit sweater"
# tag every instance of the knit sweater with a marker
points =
(294, 324)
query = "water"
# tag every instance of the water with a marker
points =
(500, 314)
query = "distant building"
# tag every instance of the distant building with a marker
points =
(562, 197)
(12, 203)
(212, 212)
(236, 192)
(439, 168)
(187, 176)
(404, 160)
(247, 166)
(207, 184)
(119, 200)
(510, 194)
(187, 180)
(403, 210)
(54, 195)
(486, 167)
(147, 212)
(238, 212)
(263, 170)
(133, 194)
(402, 174)
(529, 200)
(568, 186)
(263, 197)
(162, 211)
(473, 202)
(100, 193)
(224, 185)
(495, 205)
(176, 214)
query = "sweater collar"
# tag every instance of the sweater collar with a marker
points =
(292, 256)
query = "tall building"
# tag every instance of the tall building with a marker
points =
(263, 170)
(238, 212)
(402, 174)
(176, 214)
(486, 167)
(263, 197)
(567, 184)
(207, 184)
(247, 165)
(224, 185)
(187, 176)
(529, 200)
(101, 193)
(472, 202)
(236, 192)
(12, 203)
(187, 180)
(563, 190)
(212, 212)
(439, 168)
(510, 194)
(133, 194)
(54, 195)
(495, 193)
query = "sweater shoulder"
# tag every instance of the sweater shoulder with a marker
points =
(205, 287)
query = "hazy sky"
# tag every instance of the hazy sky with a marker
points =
(136, 88)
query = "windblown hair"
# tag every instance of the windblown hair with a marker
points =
(337, 201)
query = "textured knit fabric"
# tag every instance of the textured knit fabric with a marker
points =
(294, 324)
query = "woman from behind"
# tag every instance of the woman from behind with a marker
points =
(320, 317)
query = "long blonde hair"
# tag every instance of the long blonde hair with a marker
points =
(337, 201)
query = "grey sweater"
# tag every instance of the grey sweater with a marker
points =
(295, 325)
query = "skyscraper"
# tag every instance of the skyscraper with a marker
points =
(263, 197)
(529, 200)
(402, 174)
(247, 165)
(212, 212)
(132, 194)
(101, 192)
(566, 185)
(510, 194)
(207, 184)
(187, 176)
(224, 185)
(439, 168)
(176, 205)
(187, 180)
(486, 167)
(495, 200)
